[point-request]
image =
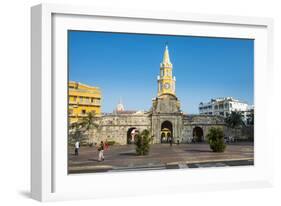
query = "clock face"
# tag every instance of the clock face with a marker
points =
(167, 85)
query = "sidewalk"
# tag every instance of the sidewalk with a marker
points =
(123, 158)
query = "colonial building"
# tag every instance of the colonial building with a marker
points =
(224, 106)
(82, 100)
(164, 119)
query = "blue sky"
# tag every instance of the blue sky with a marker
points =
(127, 65)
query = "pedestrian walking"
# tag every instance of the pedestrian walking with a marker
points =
(77, 146)
(101, 150)
(170, 141)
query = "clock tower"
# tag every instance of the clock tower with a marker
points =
(167, 118)
(166, 81)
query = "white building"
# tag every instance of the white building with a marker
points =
(224, 106)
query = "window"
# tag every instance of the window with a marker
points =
(83, 111)
(81, 99)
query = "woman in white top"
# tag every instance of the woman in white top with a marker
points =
(77, 145)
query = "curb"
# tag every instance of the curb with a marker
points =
(88, 169)
(170, 165)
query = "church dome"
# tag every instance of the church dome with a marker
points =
(120, 107)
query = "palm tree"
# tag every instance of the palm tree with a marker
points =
(234, 121)
(251, 119)
(88, 123)
(75, 133)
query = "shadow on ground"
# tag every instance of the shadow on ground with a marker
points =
(93, 160)
(128, 154)
(198, 150)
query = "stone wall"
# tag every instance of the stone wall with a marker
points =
(202, 122)
(115, 127)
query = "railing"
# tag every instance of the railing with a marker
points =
(84, 103)
(85, 91)
(77, 115)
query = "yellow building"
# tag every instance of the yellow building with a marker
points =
(82, 100)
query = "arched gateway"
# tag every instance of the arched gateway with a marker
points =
(166, 131)
(198, 134)
(131, 135)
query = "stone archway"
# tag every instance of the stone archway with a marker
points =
(131, 135)
(166, 131)
(198, 134)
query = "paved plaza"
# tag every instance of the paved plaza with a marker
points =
(161, 156)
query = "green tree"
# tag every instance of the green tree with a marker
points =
(215, 138)
(235, 121)
(142, 142)
(81, 130)
(87, 123)
(251, 119)
(75, 133)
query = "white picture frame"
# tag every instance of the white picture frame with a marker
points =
(49, 178)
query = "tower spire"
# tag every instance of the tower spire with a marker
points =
(166, 57)
(166, 82)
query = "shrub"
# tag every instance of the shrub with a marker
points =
(216, 139)
(142, 142)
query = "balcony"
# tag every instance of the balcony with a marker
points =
(77, 115)
(84, 103)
